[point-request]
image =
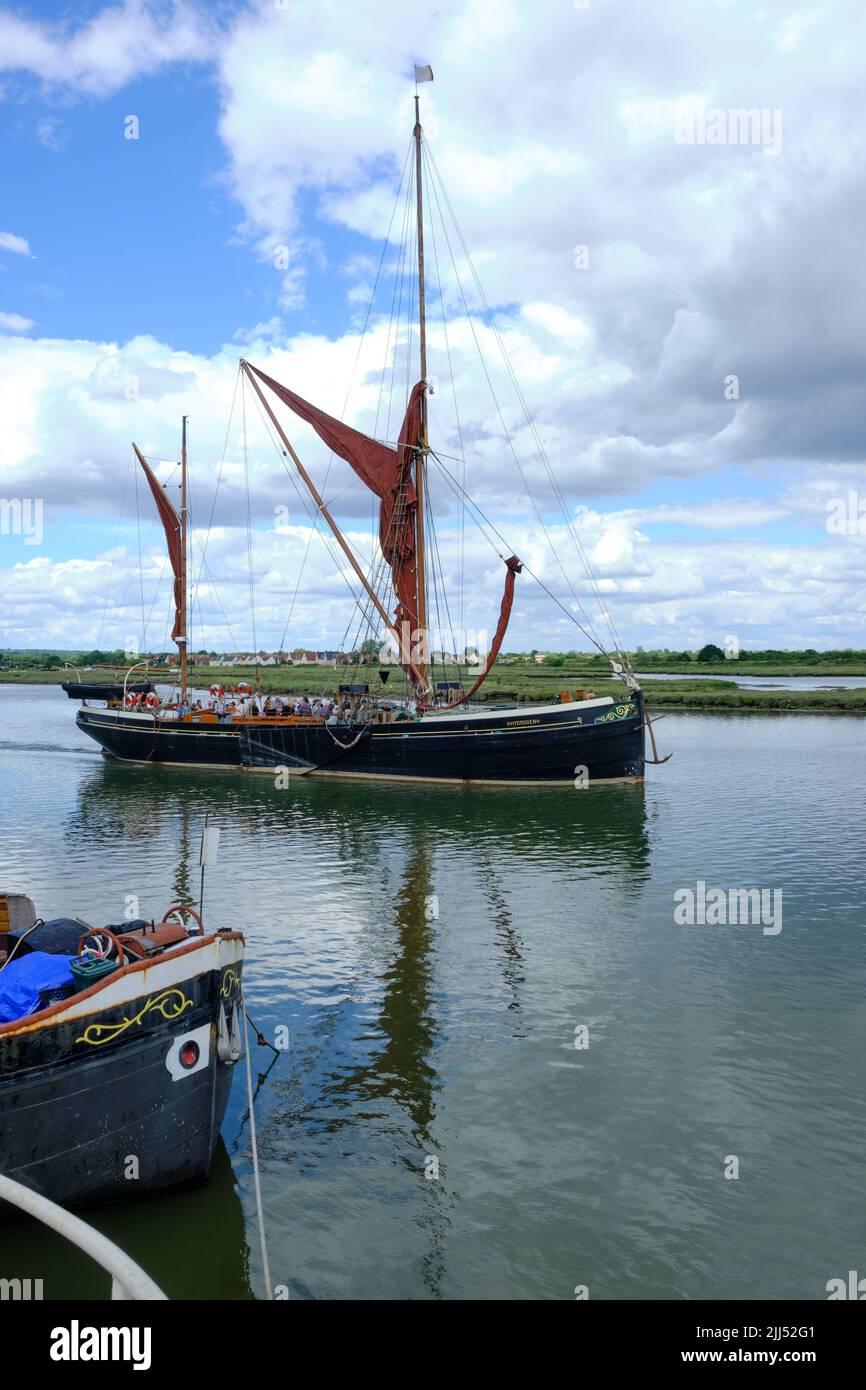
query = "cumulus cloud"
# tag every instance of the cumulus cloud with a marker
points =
(677, 313)
(15, 323)
(106, 52)
(16, 244)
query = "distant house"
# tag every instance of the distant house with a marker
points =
(327, 658)
(539, 657)
(304, 658)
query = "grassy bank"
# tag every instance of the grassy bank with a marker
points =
(505, 683)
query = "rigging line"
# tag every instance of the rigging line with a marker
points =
(501, 416)
(401, 251)
(437, 560)
(130, 578)
(113, 553)
(219, 474)
(410, 312)
(461, 579)
(249, 534)
(159, 580)
(219, 601)
(558, 495)
(394, 320)
(372, 299)
(374, 571)
(331, 455)
(590, 636)
(140, 573)
(313, 513)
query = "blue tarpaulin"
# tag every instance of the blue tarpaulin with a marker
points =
(24, 978)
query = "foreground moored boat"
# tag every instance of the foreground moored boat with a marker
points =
(116, 1064)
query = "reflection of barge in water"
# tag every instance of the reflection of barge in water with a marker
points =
(116, 1051)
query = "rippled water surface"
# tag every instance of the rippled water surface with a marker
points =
(451, 1037)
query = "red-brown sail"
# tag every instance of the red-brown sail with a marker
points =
(387, 473)
(171, 525)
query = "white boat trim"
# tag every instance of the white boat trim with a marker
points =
(164, 972)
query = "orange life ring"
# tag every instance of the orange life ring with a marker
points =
(152, 700)
(245, 689)
(216, 690)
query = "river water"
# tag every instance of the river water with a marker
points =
(432, 951)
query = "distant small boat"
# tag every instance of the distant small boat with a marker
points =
(111, 691)
(116, 1050)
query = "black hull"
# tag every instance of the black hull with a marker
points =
(146, 740)
(549, 744)
(97, 1116)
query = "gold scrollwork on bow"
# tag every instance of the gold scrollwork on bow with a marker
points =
(230, 982)
(618, 712)
(170, 1003)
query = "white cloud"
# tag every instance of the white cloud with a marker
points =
(103, 54)
(552, 127)
(15, 323)
(17, 244)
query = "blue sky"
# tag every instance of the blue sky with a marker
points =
(264, 126)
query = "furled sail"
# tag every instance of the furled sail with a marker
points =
(386, 472)
(171, 525)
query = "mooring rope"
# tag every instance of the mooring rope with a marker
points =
(255, 1148)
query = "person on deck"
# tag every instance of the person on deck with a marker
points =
(303, 707)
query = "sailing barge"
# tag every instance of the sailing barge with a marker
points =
(435, 733)
(116, 1051)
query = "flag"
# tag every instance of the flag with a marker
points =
(424, 74)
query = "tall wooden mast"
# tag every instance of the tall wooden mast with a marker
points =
(182, 635)
(421, 453)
